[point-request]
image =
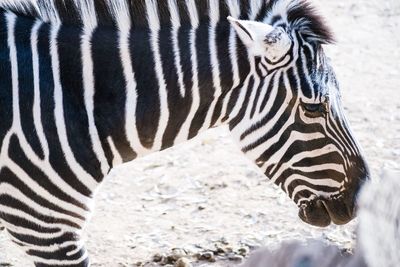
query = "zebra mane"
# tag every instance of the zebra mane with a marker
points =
(297, 14)
(301, 16)
(83, 12)
(75, 12)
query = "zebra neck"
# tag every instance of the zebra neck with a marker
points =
(169, 83)
(183, 81)
(129, 92)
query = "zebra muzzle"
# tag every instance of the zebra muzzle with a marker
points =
(314, 212)
(339, 210)
(321, 212)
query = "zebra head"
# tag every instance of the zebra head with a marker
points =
(294, 126)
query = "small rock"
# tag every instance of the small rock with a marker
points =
(223, 250)
(206, 256)
(235, 257)
(243, 251)
(220, 250)
(178, 253)
(228, 249)
(171, 259)
(158, 257)
(183, 262)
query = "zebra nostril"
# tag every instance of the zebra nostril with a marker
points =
(313, 212)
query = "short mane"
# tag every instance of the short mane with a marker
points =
(298, 14)
(301, 16)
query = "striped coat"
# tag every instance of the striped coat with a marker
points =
(87, 85)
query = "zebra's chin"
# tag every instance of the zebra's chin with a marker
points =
(321, 212)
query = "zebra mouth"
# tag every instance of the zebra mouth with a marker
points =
(321, 212)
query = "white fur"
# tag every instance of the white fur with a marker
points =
(194, 20)
(176, 24)
(117, 159)
(120, 12)
(154, 24)
(193, 14)
(234, 8)
(88, 13)
(255, 6)
(48, 12)
(19, 5)
(152, 15)
(36, 88)
(280, 9)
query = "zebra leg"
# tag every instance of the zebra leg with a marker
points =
(52, 249)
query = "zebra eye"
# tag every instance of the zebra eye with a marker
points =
(314, 109)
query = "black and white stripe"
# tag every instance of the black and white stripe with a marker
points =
(87, 85)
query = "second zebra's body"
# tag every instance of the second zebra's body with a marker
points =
(88, 85)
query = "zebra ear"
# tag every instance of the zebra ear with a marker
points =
(252, 33)
(262, 39)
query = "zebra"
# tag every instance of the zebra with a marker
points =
(86, 85)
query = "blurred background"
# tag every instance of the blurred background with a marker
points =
(205, 196)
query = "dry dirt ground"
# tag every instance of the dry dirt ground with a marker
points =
(205, 194)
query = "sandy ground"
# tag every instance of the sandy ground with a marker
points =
(205, 194)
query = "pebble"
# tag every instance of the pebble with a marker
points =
(243, 251)
(177, 253)
(223, 250)
(234, 257)
(183, 262)
(158, 257)
(206, 256)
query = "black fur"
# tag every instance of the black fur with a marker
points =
(309, 23)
